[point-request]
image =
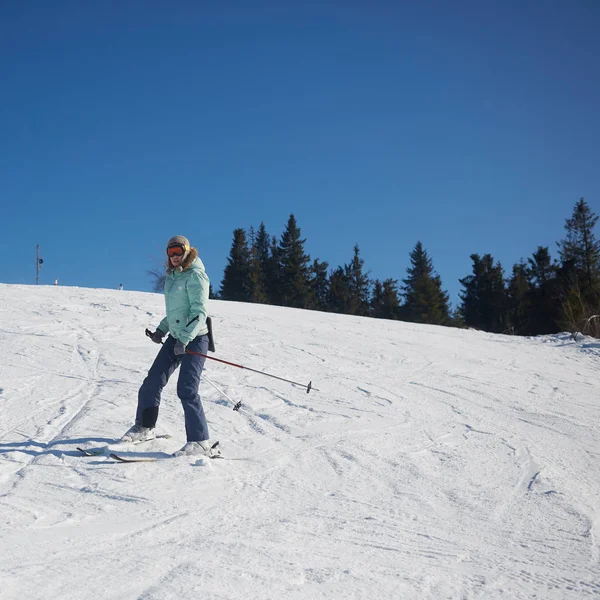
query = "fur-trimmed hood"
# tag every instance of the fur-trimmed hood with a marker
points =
(192, 255)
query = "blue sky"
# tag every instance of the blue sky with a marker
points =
(472, 126)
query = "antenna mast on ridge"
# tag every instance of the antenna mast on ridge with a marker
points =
(38, 264)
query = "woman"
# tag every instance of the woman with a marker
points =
(186, 298)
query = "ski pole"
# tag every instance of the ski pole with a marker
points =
(236, 405)
(231, 364)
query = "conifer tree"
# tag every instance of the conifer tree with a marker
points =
(263, 254)
(377, 299)
(484, 297)
(543, 297)
(494, 295)
(471, 296)
(359, 284)
(456, 318)
(540, 270)
(236, 278)
(518, 301)
(293, 267)
(425, 300)
(581, 251)
(257, 276)
(273, 273)
(391, 300)
(384, 300)
(319, 285)
(338, 293)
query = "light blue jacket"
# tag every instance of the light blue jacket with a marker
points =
(186, 300)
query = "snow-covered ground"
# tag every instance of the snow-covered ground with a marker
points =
(431, 463)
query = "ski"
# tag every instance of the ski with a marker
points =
(131, 460)
(101, 451)
(91, 451)
(161, 436)
(123, 459)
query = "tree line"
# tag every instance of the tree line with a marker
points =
(539, 295)
(265, 270)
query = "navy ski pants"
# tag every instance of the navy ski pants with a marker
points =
(163, 367)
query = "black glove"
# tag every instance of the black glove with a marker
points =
(179, 348)
(157, 336)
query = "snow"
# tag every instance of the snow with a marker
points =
(431, 463)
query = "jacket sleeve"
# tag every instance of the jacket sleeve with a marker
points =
(164, 326)
(197, 289)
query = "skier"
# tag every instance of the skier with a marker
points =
(56, 281)
(120, 286)
(186, 298)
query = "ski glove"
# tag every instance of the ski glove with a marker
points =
(179, 348)
(157, 336)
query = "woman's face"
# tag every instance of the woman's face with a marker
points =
(175, 255)
(176, 260)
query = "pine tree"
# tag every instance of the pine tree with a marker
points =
(425, 300)
(319, 285)
(471, 297)
(358, 284)
(257, 276)
(581, 251)
(377, 299)
(273, 273)
(293, 267)
(494, 295)
(543, 297)
(339, 292)
(578, 277)
(236, 278)
(263, 256)
(484, 297)
(384, 300)
(391, 300)
(540, 269)
(518, 297)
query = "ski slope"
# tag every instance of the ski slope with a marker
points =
(431, 463)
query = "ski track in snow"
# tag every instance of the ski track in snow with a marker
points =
(432, 462)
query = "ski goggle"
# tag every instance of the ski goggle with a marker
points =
(175, 251)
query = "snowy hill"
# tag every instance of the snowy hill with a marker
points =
(431, 462)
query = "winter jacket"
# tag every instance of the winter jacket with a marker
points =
(186, 299)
